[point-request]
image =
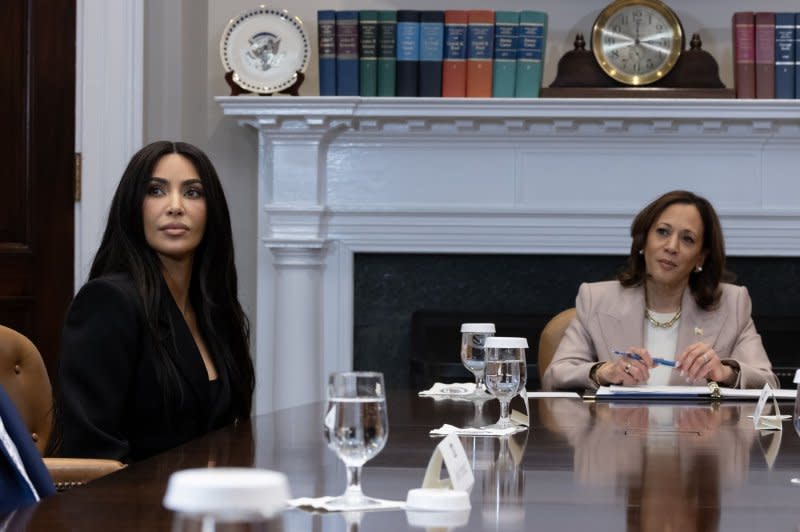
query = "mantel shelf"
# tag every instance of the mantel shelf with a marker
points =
(502, 108)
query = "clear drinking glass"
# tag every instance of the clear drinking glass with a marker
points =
(473, 352)
(356, 428)
(506, 373)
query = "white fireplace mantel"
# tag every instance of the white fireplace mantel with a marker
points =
(340, 175)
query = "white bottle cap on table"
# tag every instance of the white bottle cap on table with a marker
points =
(437, 500)
(227, 491)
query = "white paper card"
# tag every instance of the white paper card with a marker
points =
(457, 463)
(455, 460)
(761, 421)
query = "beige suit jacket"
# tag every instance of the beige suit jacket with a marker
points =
(610, 317)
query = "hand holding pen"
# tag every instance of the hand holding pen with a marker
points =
(658, 361)
(631, 368)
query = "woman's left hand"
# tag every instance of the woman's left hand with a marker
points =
(700, 361)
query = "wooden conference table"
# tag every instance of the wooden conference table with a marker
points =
(580, 466)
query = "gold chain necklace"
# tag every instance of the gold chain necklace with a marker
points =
(662, 324)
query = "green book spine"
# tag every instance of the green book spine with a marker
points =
(387, 55)
(367, 53)
(530, 57)
(506, 29)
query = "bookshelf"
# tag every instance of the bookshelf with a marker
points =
(711, 19)
(341, 175)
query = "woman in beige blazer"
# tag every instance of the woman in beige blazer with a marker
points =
(669, 303)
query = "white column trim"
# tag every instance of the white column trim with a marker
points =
(108, 111)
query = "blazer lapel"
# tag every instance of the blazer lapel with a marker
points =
(622, 326)
(696, 325)
(178, 341)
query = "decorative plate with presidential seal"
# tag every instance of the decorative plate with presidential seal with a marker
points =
(264, 48)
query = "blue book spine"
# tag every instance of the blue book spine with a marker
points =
(784, 56)
(326, 31)
(407, 52)
(347, 53)
(431, 51)
(530, 54)
(797, 55)
(506, 35)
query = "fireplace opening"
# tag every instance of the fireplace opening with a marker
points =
(408, 307)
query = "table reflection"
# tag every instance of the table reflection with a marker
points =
(502, 483)
(670, 459)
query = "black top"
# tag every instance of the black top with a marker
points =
(111, 402)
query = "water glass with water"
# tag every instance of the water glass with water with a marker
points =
(473, 352)
(356, 427)
(506, 372)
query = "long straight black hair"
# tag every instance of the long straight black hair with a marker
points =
(213, 287)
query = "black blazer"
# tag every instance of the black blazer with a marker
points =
(111, 401)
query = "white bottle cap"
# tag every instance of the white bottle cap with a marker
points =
(507, 342)
(483, 328)
(227, 491)
(445, 520)
(437, 499)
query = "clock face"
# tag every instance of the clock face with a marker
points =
(637, 42)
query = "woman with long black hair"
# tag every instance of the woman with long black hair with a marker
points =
(155, 347)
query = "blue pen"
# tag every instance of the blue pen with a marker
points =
(661, 361)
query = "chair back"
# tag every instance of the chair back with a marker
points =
(551, 337)
(24, 378)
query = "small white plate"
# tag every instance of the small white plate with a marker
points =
(264, 48)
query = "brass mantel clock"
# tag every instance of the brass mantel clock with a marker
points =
(637, 42)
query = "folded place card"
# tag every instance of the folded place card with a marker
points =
(443, 502)
(762, 421)
(450, 452)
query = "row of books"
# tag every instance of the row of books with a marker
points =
(766, 55)
(453, 53)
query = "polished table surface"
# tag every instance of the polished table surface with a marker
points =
(580, 466)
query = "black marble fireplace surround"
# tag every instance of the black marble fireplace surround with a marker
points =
(408, 307)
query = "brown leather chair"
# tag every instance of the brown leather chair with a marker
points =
(24, 378)
(551, 337)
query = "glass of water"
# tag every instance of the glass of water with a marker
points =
(356, 428)
(506, 373)
(473, 353)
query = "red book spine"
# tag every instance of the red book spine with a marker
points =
(744, 54)
(454, 65)
(480, 53)
(765, 55)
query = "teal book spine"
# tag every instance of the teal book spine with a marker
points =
(506, 35)
(387, 52)
(530, 55)
(368, 53)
